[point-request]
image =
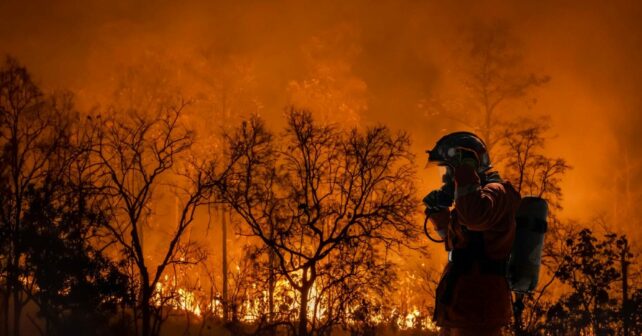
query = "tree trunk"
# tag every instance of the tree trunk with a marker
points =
(226, 303)
(271, 277)
(271, 284)
(17, 311)
(146, 315)
(330, 312)
(270, 316)
(14, 265)
(303, 309)
(144, 304)
(17, 301)
(625, 289)
(270, 292)
(595, 312)
(5, 309)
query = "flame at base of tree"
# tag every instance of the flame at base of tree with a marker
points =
(251, 309)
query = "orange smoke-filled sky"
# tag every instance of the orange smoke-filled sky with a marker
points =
(378, 60)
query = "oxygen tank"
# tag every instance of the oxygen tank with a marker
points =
(526, 255)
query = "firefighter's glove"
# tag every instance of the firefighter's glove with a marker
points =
(436, 201)
(464, 157)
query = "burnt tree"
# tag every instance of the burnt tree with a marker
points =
(317, 194)
(140, 151)
(32, 128)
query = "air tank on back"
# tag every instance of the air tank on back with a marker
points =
(526, 255)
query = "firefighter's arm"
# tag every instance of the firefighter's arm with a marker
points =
(478, 208)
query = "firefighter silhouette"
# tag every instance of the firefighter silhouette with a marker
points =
(473, 296)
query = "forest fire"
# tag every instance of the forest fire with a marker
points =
(248, 168)
(186, 301)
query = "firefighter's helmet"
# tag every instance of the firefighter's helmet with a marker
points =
(446, 148)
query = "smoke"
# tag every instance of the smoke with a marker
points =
(374, 61)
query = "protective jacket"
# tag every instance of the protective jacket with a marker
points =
(473, 291)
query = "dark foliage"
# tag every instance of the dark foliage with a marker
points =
(598, 301)
(79, 289)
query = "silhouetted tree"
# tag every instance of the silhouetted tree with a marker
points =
(592, 270)
(136, 151)
(353, 291)
(526, 165)
(493, 77)
(32, 126)
(496, 74)
(317, 195)
(77, 289)
(633, 310)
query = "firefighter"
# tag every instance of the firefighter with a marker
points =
(473, 296)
